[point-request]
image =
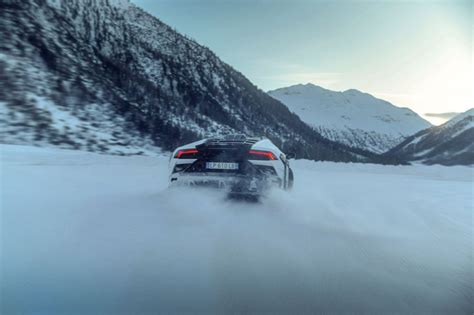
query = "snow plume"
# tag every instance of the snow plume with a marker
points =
(85, 233)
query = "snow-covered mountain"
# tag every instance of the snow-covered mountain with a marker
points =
(351, 117)
(450, 144)
(106, 76)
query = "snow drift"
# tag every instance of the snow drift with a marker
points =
(85, 232)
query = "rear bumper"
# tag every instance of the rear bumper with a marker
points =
(232, 183)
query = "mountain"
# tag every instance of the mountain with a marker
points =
(449, 144)
(445, 116)
(106, 76)
(351, 117)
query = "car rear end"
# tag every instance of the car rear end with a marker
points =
(233, 164)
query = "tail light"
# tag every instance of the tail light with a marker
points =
(187, 154)
(261, 155)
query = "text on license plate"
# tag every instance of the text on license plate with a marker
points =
(222, 166)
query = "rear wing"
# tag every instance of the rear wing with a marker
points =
(232, 140)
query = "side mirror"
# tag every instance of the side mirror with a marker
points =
(291, 155)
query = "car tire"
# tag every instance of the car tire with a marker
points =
(291, 178)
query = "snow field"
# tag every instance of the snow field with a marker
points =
(85, 232)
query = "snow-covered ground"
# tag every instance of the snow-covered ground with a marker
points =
(86, 232)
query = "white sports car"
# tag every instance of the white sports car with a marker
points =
(237, 164)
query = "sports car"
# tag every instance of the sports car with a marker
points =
(238, 164)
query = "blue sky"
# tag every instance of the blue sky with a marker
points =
(416, 54)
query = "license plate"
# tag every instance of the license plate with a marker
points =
(222, 166)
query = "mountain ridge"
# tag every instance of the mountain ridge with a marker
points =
(448, 144)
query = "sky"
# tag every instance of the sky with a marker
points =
(416, 54)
